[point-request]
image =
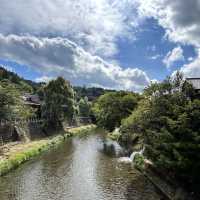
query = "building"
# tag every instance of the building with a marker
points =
(33, 101)
(195, 82)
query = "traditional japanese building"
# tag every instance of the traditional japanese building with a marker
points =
(195, 82)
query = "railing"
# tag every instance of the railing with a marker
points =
(21, 121)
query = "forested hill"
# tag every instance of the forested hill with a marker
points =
(21, 84)
(92, 92)
(25, 85)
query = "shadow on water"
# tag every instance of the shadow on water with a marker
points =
(85, 168)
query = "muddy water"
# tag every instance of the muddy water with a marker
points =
(81, 169)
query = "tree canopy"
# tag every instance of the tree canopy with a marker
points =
(112, 107)
(168, 121)
(58, 101)
(11, 103)
(84, 107)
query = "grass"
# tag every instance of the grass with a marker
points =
(81, 131)
(139, 162)
(26, 151)
(114, 135)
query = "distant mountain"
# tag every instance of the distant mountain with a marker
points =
(92, 92)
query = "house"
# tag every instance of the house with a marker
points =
(195, 82)
(34, 98)
(33, 101)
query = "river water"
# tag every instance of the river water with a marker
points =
(83, 168)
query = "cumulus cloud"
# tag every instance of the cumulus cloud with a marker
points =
(192, 70)
(45, 79)
(179, 18)
(94, 25)
(172, 56)
(62, 57)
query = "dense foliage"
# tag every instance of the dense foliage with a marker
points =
(58, 101)
(112, 107)
(11, 105)
(92, 93)
(21, 84)
(168, 121)
(84, 107)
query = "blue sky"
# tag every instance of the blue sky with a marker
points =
(118, 44)
(151, 42)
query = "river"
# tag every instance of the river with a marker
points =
(80, 169)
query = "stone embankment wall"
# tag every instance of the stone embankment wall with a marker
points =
(21, 130)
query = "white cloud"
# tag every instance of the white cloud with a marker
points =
(172, 56)
(44, 79)
(61, 57)
(190, 59)
(155, 57)
(95, 25)
(192, 70)
(180, 18)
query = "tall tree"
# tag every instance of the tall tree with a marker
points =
(58, 101)
(112, 107)
(168, 120)
(11, 103)
(84, 107)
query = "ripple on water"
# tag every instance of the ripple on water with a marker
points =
(77, 170)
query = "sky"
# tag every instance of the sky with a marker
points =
(118, 44)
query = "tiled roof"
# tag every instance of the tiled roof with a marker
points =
(195, 82)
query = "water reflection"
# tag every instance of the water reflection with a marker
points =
(81, 169)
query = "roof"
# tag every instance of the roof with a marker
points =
(195, 82)
(31, 99)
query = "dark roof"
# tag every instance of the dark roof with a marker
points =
(195, 82)
(31, 99)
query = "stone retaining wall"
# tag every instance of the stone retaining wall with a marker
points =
(24, 130)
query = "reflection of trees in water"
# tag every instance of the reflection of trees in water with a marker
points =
(54, 169)
(120, 180)
(56, 158)
(109, 149)
(77, 168)
(112, 148)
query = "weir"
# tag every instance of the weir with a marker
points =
(132, 156)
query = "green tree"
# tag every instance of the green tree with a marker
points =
(168, 121)
(11, 103)
(112, 107)
(84, 107)
(58, 102)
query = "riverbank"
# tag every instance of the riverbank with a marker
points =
(166, 185)
(15, 154)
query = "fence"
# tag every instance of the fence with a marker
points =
(20, 121)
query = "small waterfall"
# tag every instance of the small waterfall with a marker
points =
(135, 153)
(116, 130)
(132, 156)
